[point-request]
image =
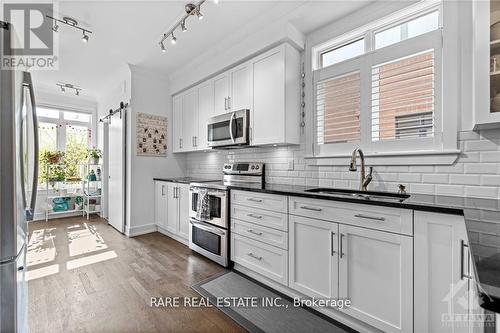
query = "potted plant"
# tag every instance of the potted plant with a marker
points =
(53, 157)
(94, 155)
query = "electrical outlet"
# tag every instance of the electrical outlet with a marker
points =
(290, 164)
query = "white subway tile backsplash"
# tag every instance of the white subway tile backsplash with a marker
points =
(465, 179)
(476, 173)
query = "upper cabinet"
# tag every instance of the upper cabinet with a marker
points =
(487, 63)
(276, 97)
(241, 88)
(267, 85)
(221, 93)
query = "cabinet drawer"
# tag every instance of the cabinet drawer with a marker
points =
(277, 203)
(369, 216)
(262, 217)
(264, 259)
(266, 235)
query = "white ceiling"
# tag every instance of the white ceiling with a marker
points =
(127, 32)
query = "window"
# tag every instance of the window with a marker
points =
(344, 52)
(409, 29)
(384, 95)
(64, 131)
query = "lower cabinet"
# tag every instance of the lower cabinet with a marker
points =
(313, 258)
(445, 287)
(172, 208)
(376, 274)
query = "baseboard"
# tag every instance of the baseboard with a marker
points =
(41, 216)
(173, 236)
(334, 314)
(140, 230)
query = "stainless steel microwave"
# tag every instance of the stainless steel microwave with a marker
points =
(229, 130)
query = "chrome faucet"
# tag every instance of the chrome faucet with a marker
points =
(364, 180)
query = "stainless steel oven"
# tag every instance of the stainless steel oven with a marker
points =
(209, 240)
(230, 129)
(217, 206)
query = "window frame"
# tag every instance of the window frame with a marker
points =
(61, 124)
(372, 57)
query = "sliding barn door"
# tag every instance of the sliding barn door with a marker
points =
(117, 170)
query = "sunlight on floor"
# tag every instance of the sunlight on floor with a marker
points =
(41, 247)
(42, 272)
(89, 260)
(84, 240)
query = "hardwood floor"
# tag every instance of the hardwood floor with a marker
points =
(84, 276)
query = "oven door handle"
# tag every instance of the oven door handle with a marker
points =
(207, 228)
(231, 126)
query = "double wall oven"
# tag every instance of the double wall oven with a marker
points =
(209, 210)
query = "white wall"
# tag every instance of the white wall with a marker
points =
(150, 94)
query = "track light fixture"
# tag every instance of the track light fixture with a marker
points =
(191, 10)
(70, 22)
(64, 86)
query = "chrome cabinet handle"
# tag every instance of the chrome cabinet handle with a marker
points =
(163, 190)
(254, 200)
(254, 256)
(332, 235)
(225, 103)
(311, 208)
(207, 228)
(254, 232)
(173, 193)
(342, 245)
(463, 275)
(255, 216)
(195, 141)
(229, 103)
(376, 218)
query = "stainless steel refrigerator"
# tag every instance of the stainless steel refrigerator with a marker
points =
(18, 186)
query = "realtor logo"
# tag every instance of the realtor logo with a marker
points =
(32, 43)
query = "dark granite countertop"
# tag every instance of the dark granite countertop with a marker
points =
(186, 180)
(482, 220)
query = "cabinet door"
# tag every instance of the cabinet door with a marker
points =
(221, 93)
(183, 199)
(177, 124)
(376, 274)
(241, 88)
(161, 204)
(440, 289)
(172, 208)
(313, 257)
(205, 111)
(189, 119)
(269, 98)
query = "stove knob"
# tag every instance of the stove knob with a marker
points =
(253, 167)
(256, 167)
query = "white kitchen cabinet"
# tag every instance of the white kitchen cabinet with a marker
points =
(376, 274)
(183, 198)
(313, 257)
(276, 97)
(241, 94)
(442, 261)
(205, 111)
(177, 123)
(172, 209)
(161, 203)
(221, 93)
(189, 119)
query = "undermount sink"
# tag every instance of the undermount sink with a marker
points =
(360, 194)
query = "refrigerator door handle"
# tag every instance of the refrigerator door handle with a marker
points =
(29, 84)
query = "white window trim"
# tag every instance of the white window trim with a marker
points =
(448, 152)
